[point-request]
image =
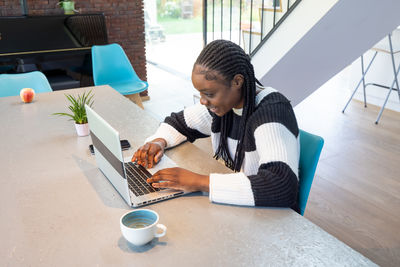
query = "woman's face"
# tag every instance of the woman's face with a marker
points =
(215, 92)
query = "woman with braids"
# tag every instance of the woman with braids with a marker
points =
(253, 131)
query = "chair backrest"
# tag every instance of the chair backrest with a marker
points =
(310, 150)
(11, 84)
(111, 65)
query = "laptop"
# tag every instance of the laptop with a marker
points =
(128, 178)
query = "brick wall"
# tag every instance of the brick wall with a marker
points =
(10, 8)
(124, 19)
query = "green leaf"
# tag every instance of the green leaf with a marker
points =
(77, 106)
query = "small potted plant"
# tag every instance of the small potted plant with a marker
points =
(68, 6)
(77, 108)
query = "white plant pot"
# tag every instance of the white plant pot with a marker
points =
(82, 129)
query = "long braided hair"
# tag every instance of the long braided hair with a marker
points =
(229, 59)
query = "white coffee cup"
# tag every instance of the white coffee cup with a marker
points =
(140, 226)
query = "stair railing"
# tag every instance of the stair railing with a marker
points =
(236, 20)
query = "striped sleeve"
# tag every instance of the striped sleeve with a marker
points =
(270, 173)
(191, 123)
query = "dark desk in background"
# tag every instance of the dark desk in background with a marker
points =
(59, 46)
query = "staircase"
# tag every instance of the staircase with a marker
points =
(296, 46)
(246, 22)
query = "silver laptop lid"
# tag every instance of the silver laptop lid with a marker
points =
(108, 152)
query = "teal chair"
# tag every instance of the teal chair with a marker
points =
(11, 84)
(310, 150)
(111, 66)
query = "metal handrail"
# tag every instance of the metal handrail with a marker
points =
(230, 21)
(222, 17)
(263, 38)
(240, 18)
(251, 23)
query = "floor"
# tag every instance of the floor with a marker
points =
(355, 194)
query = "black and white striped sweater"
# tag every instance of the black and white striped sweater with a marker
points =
(269, 173)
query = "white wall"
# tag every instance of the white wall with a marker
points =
(299, 64)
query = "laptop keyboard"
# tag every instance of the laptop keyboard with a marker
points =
(137, 176)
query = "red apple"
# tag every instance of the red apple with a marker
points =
(27, 95)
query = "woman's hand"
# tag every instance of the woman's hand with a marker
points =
(150, 153)
(178, 178)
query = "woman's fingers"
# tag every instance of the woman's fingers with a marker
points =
(137, 155)
(134, 157)
(156, 179)
(165, 178)
(169, 174)
(158, 156)
(154, 149)
(150, 161)
(165, 185)
(148, 154)
(165, 172)
(143, 157)
(144, 154)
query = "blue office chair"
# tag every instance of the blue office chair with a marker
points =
(11, 84)
(310, 150)
(111, 66)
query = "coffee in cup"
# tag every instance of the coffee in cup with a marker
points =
(140, 226)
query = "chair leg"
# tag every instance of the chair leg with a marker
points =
(387, 97)
(394, 65)
(136, 99)
(362, 79)
(362, 71)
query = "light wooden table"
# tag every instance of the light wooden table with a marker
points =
(57, 209)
